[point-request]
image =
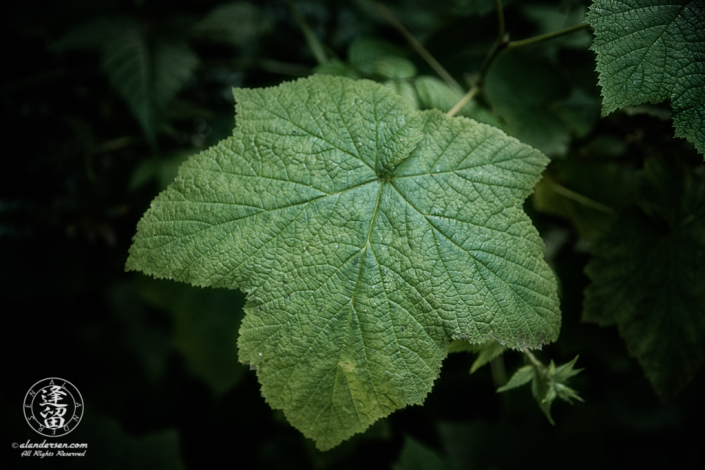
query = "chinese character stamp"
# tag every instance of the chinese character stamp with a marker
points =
(53, 407)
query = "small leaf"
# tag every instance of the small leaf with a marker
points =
(488, 352)
(522, 376)
(650, 52)
(234, 23)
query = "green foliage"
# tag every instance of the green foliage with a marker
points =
(368, 236)
(147, 70)
(652, 51)
(415, 456)
(547, 383)
(204, 328)
(647, 276)
(383, 62)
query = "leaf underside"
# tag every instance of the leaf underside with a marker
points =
(653, 51)
(368, 236)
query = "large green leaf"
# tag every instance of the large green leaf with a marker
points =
(649, 51)
(367, 234)
(647, 278)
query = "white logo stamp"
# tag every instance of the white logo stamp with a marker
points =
(53, 407)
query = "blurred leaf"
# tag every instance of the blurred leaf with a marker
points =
(416, 456)
(150, 345)
(110, 447)
(205, 328)
(234, 23)
(526, 93)
(365, 53)
(647, 277)
(650, 52)
(554, 17)
(404, 89)
(433, 93)
(337, 69)
(147, 70)
(394, 67)
(163, 170)
(488, 351)
(477, 7)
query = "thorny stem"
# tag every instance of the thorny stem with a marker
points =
(311, 39)
(418, 47)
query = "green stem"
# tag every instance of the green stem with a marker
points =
(689, 218)
(463, 101)
(546, 37)
(500, 21)
(579, 198)
(501, 45)
(535, 362)
(418, 47)
(311, 39)
(499, 373)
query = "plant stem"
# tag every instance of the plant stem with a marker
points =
(500, 21)
(418, 47)
(546, 37)
(501, 45)
(464, 100)
(579, 198)
(535, 362)
(499, 373)
(311, 39)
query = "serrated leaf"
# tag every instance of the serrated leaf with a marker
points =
(647, 277)
(368, 236)
(652, 51)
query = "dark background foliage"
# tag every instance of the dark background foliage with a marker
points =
(86, 149)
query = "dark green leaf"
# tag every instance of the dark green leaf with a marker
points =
(652, 51)
(647, 278)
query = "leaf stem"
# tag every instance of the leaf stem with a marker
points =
(547, 36)
(464, 100)
(418, 47)
(502, 45)
(499, 373)
(311, 39)
(535, 362)
(500, 21)
(579, 198)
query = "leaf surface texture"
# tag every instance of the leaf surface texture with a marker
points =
(368, 235)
